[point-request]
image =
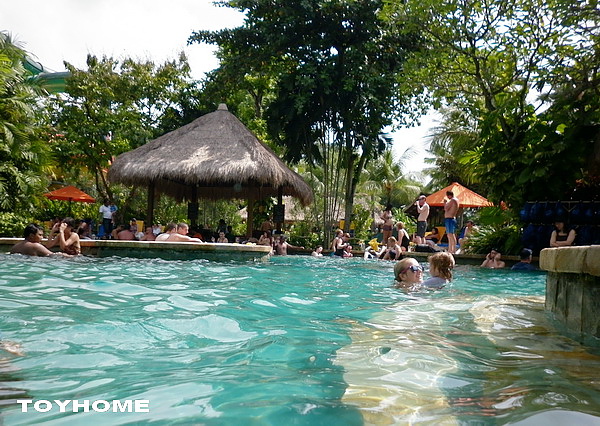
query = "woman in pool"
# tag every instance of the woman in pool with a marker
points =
(408, 274)
(440, 268)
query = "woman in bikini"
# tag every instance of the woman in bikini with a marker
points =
(393, 250)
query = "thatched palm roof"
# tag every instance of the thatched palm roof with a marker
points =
(217, 156)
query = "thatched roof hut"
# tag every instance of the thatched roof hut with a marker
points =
(214, 157)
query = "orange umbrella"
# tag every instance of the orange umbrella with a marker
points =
(70, 193)
(466, 197)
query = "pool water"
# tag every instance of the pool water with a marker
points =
(296, 340)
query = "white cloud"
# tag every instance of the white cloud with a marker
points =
(67, 30)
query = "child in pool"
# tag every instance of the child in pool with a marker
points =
(440, 268)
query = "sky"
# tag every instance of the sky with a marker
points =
(67, 30)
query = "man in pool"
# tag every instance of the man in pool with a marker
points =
(282, 246)
(493, 260)
(32, 243)
(525, 263)
(182, 234)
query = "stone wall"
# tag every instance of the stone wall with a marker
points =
(573, 286)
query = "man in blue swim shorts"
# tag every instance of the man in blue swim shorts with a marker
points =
(451, 205)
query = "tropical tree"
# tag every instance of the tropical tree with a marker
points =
(115, 106)
(334, 66)
(449, 142)
(526, 71)
(23, 154)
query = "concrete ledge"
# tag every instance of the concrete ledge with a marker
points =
(574, 260)
(573, 287)
(162, 249)
(592, 261)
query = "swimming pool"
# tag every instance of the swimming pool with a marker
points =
(297, 340)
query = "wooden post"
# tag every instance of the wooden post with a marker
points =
(193, 208)
(279, 222)
(250, 218)
(150, 213)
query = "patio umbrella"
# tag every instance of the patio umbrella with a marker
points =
(70, 194)
(467, 197)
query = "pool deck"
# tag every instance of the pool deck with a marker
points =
(220, 251)
(163, 250)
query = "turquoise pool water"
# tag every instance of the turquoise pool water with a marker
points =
(296, 340)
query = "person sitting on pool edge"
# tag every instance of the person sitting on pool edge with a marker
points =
(408, 274)
(440, 268)
(492, 260)
(525, 263)
(32, 243)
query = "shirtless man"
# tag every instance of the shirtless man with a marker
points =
(493, 260)
(171, 228)
(64, 236)
(423, 210)
(282, 245)
(182, 234)
(450, 209)
(32, 243)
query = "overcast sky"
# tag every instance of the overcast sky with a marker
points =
(53, 31)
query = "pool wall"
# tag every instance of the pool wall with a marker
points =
(573, 286)
(163, 250)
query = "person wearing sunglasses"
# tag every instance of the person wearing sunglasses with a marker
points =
(408, 274)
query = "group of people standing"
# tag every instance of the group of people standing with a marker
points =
(451, 207)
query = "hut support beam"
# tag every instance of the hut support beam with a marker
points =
(150, 215)
(194, 207)
(279, 223)
(250, 218)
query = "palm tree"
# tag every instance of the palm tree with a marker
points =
(23, 156)
(451, 144)
(386, 176)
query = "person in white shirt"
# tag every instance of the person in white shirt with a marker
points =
(107, 212)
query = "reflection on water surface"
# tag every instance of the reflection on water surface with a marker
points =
(295, 340)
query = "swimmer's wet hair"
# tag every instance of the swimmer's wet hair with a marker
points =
(444, 263)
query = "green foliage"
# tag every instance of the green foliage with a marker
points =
(489, 61)
(410, 223)
(494, 216)
(329, 70)
(300, 234)
(23, 155)
(13, 224)
(113, 107)
(506, 239)
(362, 222)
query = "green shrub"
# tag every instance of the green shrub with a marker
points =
(12, 224)
(506, 239)
(300, 234)
(410, 223)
